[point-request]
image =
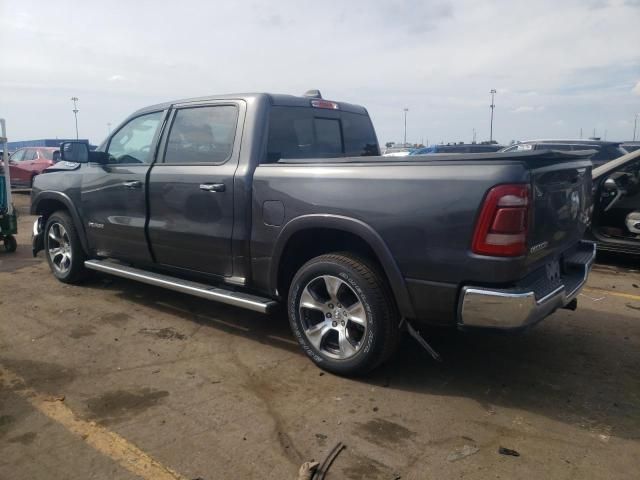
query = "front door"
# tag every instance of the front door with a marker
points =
(19, 174)
(618, 213)
(191, 189)
(113, 195)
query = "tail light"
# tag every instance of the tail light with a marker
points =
(501, 229)
(325, 104)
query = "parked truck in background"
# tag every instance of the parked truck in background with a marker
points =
(256, 200)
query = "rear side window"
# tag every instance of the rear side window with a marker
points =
(300, 132)
(202, 135)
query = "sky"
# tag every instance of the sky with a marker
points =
(558, 66)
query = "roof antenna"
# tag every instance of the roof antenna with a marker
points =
(313, 94)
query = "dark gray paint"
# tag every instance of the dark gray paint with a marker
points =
(416, 214)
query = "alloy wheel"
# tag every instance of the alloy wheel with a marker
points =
(59, 248)
(334, 318)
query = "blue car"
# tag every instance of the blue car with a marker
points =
(457, 148)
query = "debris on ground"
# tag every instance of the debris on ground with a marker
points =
(508, 451)
(322, 470)
(463, 452)
(54, 398)
(307, 470)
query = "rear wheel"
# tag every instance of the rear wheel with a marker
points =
(10, 244)
(62, 246)
(342, 314)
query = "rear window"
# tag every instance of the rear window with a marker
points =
(300, 132)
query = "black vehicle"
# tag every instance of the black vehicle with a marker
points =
(457, 148)
(604, 151)
(616, 216)
(257, 199)
(631, 146)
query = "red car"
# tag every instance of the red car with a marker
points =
(26, 163)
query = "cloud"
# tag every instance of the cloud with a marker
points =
(439, 58)
(527, 109)
(636, 89)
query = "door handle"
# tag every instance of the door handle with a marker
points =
(133, 184)
(213, 187)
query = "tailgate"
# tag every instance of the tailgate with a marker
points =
(561, 195)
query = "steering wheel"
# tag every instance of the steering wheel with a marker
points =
(612, 185)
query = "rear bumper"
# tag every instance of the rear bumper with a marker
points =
(532, 300)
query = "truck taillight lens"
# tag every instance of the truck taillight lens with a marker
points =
(501, 229)
(325, 104)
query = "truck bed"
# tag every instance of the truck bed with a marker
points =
(436, 200)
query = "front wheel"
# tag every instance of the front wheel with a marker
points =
(342, 313)
(62, 246)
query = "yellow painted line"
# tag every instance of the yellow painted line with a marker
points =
(615, 294)
(104, 441)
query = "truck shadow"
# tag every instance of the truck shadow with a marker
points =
(580, 375)
(569, 368)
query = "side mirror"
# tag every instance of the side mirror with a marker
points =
(77, 152)
(610, 184)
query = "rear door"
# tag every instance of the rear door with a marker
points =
(114, 195)
(191, 188)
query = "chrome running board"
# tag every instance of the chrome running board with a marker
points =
(229, 297)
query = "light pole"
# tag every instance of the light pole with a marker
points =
(109, 128)
(635, 125)
(492, 106)
(75, 113)
(405, 126)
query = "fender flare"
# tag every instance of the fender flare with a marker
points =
(73, 211)
(355, 227)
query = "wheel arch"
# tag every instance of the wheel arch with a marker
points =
(341, 234)
(48, 202)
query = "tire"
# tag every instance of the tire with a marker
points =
(63, 249)
(352, 330)
(10, 244)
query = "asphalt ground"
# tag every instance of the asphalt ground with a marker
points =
(118, 380)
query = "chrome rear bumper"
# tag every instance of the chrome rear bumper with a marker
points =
(526, 304)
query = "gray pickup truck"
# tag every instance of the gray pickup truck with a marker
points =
(256, 200)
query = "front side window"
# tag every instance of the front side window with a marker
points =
(133, 142)
(202, 135)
